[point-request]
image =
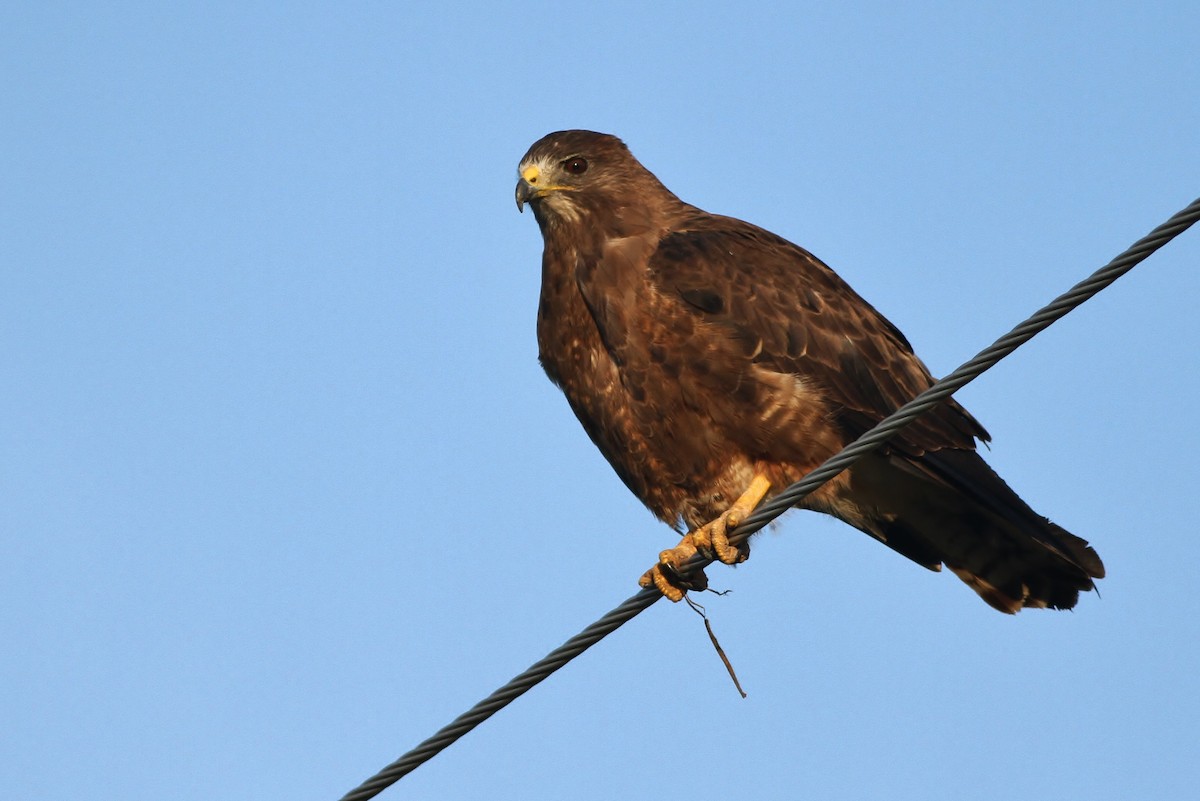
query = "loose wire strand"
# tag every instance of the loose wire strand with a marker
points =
(780, 503)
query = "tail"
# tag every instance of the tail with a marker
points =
(948, 507)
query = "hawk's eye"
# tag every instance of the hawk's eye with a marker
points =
(575, 166)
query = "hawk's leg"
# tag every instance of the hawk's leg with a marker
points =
(711, 539)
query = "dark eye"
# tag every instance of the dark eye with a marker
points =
(575, 166)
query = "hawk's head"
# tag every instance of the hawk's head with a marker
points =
(575, 176)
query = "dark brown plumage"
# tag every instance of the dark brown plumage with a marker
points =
(700, 351)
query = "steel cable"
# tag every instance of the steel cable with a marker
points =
(780, 503)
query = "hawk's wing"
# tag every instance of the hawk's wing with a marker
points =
(764, 289)
(802, 319)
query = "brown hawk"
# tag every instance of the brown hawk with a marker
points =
(713, 362)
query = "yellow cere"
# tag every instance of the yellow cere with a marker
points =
(530, 173)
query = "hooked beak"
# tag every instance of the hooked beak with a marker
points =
(525, 194)
(527, 188)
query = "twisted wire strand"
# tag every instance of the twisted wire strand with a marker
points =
(780, 503)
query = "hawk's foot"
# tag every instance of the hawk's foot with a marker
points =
(711, 540)
(668, 575)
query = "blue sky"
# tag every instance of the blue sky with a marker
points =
(285, 489)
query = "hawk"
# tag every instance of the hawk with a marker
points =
(713, 363)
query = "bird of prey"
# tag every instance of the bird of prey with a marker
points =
(714, 363)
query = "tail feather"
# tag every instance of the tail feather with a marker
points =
(950, 508)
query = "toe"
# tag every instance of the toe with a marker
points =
(655, 577)
(670, 591)
(721, 547)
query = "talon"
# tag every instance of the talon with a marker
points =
(716, 539)
(668, 575)
(711, 539)
(656, 577)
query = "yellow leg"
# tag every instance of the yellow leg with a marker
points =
(713, 539)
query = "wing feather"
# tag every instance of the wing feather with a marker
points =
(810, 323)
